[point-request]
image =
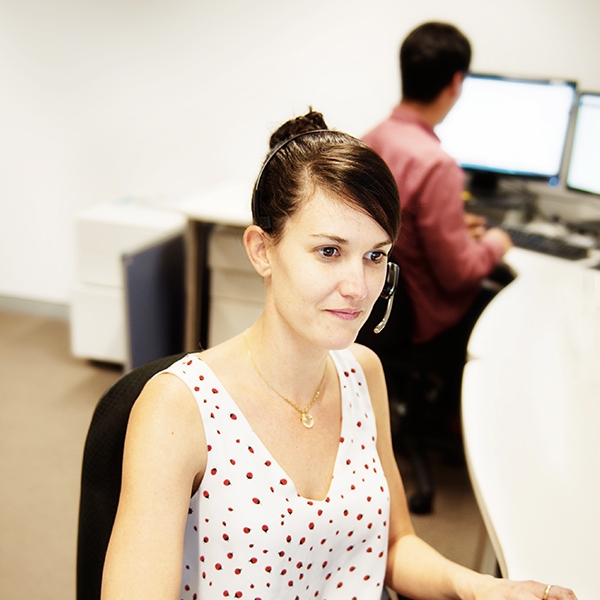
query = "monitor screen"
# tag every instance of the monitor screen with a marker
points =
(509, 126)
(584, 165)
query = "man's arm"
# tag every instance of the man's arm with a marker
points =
(456, 258)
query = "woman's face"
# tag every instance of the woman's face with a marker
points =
(327, 270)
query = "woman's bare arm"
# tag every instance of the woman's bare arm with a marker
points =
(164, 457)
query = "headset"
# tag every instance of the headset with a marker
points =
(389, 289)
(265, 223)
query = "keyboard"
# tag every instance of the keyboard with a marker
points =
(554, 246)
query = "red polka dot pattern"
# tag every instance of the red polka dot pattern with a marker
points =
(249, 534)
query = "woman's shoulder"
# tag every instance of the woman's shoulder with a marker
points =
(166, 402)
(373, 371)
(367, 359)
(165, 398)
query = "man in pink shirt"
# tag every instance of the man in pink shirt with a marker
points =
(443, 252)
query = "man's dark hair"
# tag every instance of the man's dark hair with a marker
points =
(429, 58)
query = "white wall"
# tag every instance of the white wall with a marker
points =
(102, 99)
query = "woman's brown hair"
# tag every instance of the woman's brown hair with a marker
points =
(307, 156)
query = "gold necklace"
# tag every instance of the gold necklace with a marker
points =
(305, 417)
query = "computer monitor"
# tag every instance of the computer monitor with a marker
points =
(509, 126)
(583, 173)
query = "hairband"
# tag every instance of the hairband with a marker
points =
(264, 221)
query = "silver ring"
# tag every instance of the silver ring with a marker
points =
(547, 591)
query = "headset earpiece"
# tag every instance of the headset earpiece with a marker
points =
(391, 281)
(389, 289)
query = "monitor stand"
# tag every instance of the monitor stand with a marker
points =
(484, 182)
(490, 198)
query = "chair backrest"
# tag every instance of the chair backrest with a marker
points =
(101, 473)
(409, 368)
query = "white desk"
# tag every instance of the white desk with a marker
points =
(227, 205)
(531, 417)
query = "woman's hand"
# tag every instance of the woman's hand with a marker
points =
(504, 589)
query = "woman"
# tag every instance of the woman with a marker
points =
(281, 435)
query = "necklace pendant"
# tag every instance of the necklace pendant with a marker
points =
(307, 420)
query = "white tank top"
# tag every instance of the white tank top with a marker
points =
(249, 534)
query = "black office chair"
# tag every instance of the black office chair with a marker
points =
(101, 473)
(415, 388)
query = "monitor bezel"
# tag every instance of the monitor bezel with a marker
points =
(491, 173)
(574, 117)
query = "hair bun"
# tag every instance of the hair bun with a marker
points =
(311, 121)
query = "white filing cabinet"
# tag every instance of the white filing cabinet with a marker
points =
(103, 234)
(237, 295)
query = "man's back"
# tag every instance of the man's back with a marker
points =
(441, 265)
